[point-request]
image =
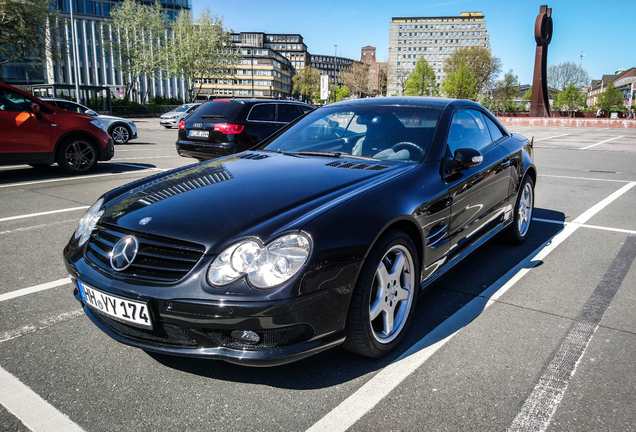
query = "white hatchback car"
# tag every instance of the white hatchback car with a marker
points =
(120, 129)
(173, 118)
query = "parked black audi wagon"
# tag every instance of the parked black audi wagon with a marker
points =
(223, 127)
(324, 234)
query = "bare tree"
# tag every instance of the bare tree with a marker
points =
(356, 78)
(562, 75)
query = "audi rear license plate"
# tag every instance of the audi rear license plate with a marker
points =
(121, 309)
(198, 133)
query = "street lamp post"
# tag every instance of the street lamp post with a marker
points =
(335, 67)
(75, 59)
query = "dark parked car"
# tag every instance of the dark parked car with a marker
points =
(39, 134)
(223, 127)
(324, 234)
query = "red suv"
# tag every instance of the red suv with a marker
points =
(36, 133)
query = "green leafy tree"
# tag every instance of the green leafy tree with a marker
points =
(482, 64)
(340, 92)
(23, 25)
(200, 48)
(137, 32)
(571, 99)
(612, 97)
(526, 99)
(461, 84)
(421, 82)
(307, 83)
(506, 91)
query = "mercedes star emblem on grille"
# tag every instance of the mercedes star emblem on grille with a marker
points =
(124, 253)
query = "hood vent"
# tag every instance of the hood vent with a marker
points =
(180, 183)
(252, 156)
(357, 166)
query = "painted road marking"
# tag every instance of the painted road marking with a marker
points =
(34, 289)
(585, 178)
(377, 388)
(43, 213)
(31, 409)
(542, 403)
(37, 182)
(32, 227)
(602, 142)
(41, 325)
(556, 222)
(552, 137)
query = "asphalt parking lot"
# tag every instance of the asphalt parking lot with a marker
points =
(536, 337)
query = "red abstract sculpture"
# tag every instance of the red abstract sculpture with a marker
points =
(540, 101)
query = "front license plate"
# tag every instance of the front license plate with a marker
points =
(199, 133)
(118, 308)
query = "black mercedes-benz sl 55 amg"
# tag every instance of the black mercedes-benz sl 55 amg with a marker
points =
(323, 234)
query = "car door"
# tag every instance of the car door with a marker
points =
(286, 113)
(261, 122)
(478, 195)
(25, 135)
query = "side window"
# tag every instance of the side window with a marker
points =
(305, 109)
(495, 132)
(263, 112)
(468, 130)
(12, 101)
(287, 113)
(71, 107)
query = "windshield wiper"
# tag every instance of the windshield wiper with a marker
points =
(333, 154)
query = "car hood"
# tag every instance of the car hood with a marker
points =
(171, 113)
(259, 194)
(113, 118)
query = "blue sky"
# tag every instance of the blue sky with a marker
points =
(605, 32)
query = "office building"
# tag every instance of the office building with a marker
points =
(432, 38)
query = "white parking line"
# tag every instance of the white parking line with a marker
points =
(585, 178)
(31, 409)
(36, 182)
(382, 384)
(602, 142)
(556, 222)
(30, 328)
(43, 213)
(552, 137)
(33, 289)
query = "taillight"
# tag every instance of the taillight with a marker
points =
(228, 128)
(182, 124)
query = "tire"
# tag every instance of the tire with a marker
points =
(120, 133)
(384, 297)
(77, 156)
(517, 232)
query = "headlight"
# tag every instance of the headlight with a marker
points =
(98, 124)
(264, 266)
(88, 222)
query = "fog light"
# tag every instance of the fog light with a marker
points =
(246, 336)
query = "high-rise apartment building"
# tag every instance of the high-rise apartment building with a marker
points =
(432, 38)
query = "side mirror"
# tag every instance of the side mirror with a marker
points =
(35, 109)
(91, 113)
(467, 158)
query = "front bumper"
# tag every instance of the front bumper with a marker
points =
(289, 329)
(107, 153)
(169, 122)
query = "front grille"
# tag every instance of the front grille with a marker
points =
(168, 334)
(158, 259)
(269, 338)
(357, 166)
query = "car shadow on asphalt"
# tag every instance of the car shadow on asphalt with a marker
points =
(26, 173)
(431, 324)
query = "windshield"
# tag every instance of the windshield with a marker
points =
(182, 108)
(391, 133)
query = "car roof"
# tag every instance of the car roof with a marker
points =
(434, 102)
(246, 101)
